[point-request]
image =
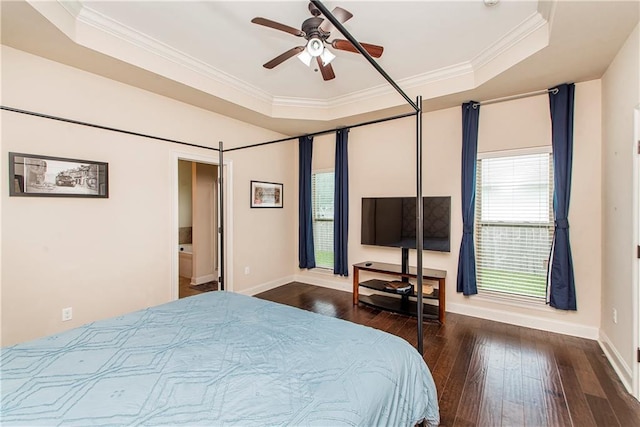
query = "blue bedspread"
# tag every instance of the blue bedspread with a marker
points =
(217, 359)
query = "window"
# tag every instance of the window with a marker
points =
(322, 184)
(514, 223)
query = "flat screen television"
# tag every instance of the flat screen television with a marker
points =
(391, 221)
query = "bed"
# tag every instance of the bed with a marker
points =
(217, 358)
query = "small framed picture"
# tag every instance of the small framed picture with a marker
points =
(266, 194)
(45, 176)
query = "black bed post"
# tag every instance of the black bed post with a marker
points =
(419, 215)
(221, 204)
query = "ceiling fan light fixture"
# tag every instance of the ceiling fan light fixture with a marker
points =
(305, 58)
(315, 46)
(327, 56)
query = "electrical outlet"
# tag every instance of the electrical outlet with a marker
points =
(615, 316)
(67, 314)
(247, 270)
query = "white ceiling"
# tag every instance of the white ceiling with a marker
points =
(209, 54)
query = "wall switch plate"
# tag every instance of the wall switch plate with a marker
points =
(247, 270)
(615, 316)
(67, 314)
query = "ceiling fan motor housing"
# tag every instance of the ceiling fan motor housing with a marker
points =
(311, 30)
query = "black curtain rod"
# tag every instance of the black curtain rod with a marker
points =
(514, 97)
(77, 122)
(364, 53)
(324, 132)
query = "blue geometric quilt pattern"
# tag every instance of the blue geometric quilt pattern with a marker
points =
(217, 359)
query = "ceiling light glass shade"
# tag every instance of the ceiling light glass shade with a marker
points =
(305, 58)
(315, 47)
(327, 57)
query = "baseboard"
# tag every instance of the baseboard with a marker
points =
(267, 286)
(203, 279)
(527, 321)
(619, 365)
(310, 279)
(330, 281)
(319, 279)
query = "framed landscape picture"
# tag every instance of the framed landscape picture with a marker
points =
(266, 194)
(45, 176)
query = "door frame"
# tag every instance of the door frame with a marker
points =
(227, 170)
(636, 269)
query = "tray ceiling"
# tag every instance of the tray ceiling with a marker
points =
(208, 53)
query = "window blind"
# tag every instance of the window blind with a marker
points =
(322, 189)
(514, 223)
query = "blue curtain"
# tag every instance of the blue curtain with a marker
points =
(306, 254)
(467, 259)
(561, 288)
(341, 205)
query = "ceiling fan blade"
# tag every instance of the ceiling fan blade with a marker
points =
(373, 49)
(341, 15)
(326, 70)
(283, 57)
(278, 26)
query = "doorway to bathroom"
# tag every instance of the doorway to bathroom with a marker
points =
(196, 219)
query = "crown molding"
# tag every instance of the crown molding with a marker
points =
(138, 39)
(513, 38)
(547, 8)
(74, 7)
(420, 80)
(518, 35)
(88, 27)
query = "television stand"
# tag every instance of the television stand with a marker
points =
(402, 303)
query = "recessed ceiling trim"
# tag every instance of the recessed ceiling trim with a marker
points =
(108, 25)
(381, 90)
(74, 7)
(548, 10)
(514, 37)
(62, 15)
(106, 35)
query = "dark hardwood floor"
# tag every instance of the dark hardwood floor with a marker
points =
(185, 289)
(493, 374)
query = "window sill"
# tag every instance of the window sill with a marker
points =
(323, 270)
(530, 303)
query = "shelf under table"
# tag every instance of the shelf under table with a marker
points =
(380, 285)
(400, 306)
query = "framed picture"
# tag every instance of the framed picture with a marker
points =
(266, 194)
(44, 176)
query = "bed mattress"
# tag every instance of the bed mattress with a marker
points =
(217, 359)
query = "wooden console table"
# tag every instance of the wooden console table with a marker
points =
(407, 303)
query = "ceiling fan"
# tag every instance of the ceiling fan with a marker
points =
(316, 31)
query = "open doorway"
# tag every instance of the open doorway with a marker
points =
(196, 213)
(197, 225)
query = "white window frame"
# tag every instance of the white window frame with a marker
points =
(313, 219)
(497, 296)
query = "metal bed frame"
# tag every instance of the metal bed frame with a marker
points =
(416, 106)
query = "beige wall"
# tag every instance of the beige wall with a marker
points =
(382, 163)
(267, 246)
(620, 96)
(111, 256)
